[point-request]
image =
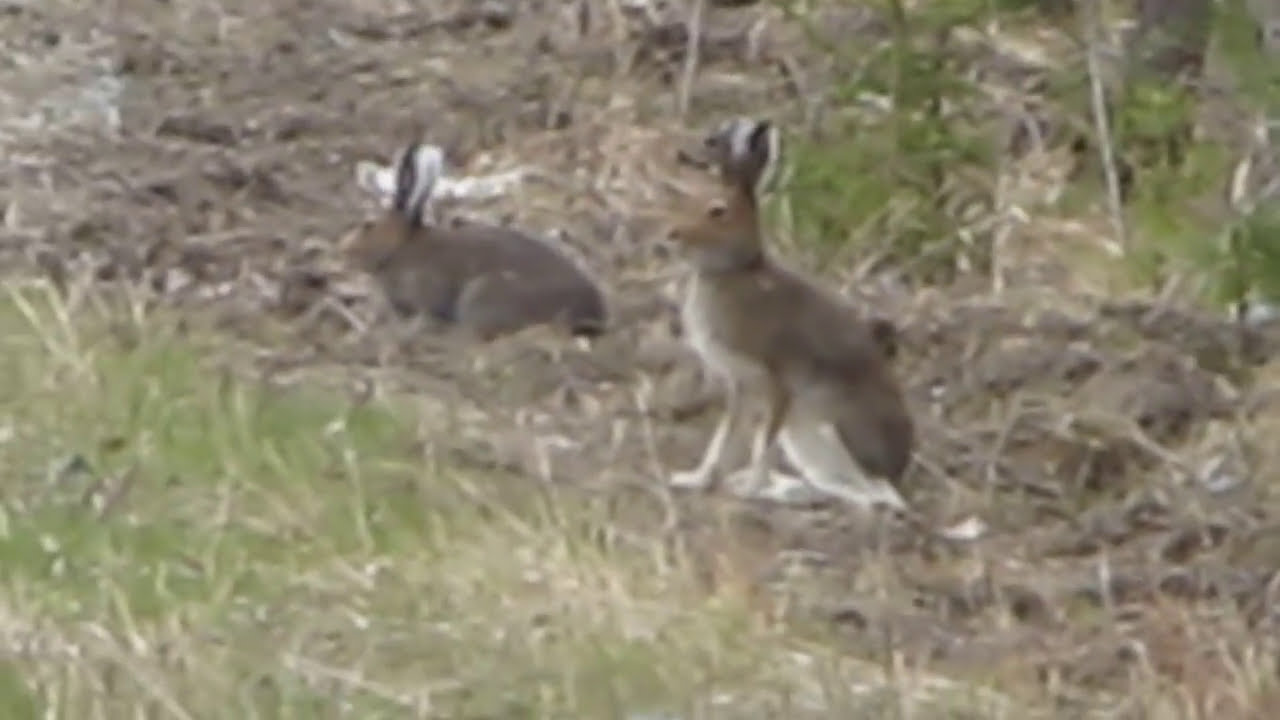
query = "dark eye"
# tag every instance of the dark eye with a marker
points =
(716, 210)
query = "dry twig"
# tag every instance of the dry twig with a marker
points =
(1092, 20)
(693, 39)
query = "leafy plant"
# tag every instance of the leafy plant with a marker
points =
(1235, 251)
(879, 176)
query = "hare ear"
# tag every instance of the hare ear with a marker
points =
(418, 169)
(764, 146)
(733, 137)
(747, 150)
(406, 179)
(376, 180)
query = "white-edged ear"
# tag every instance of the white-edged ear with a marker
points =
(428, 174)
(376, 180)
(479, 187)
(428, 162)
(737, 135)
(768, 150)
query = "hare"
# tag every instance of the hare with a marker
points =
(486, 279)
(833, 403)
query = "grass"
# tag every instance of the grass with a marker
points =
(182, 542)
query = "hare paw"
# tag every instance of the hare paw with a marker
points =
(778, 487)
(696, 479)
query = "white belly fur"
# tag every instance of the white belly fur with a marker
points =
(716, 357)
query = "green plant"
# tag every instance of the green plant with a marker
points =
(1233, 251)
(883, 181)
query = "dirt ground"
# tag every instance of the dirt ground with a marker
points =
(202, 156)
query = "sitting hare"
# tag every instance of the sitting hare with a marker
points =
(833, 403)
(487, 279)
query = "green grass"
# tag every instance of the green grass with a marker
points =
(181, 542)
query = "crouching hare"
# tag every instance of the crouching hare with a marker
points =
(486, 279)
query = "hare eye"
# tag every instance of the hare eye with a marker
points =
(716, 210)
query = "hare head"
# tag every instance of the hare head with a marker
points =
(417, 168)
(722, 226)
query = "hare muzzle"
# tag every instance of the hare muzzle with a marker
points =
(682, 236)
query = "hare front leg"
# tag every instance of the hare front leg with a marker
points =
(703, 475)
(764, 443)
(758, 472)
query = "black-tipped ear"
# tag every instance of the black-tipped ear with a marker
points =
(760, 140)
(406, 179)
(762, 155)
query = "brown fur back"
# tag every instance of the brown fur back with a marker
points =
(515, 280)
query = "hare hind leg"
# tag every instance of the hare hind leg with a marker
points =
(815, 449)
(502, 303)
